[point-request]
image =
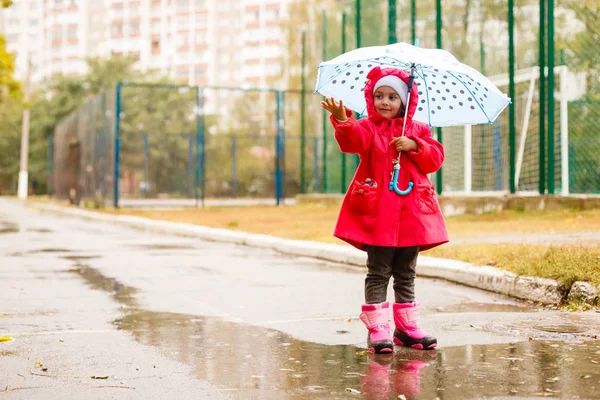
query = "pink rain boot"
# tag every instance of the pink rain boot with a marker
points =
(375, 317)
(408, 332)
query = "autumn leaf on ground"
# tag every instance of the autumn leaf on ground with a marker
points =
(6, 339)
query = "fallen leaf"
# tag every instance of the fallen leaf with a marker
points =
(471, 325)
(154, 366)
(99, 377)
(38, 364)
(361, 353)
(530, 339)
(44, 369)
(352, 391)
(5, 339)
(555, 379)
(585, 377)
(349, 320)
(61, 340)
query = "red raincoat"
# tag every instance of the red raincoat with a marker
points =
(372, 214)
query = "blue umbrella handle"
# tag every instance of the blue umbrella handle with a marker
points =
(394, 183)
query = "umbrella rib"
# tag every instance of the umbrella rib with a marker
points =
(471, 93)
(426, 95)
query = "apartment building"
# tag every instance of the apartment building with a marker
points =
(201, 42)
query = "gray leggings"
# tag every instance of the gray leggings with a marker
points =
(385, 262)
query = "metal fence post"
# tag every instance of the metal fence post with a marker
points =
(324, 112)
(343, 174)
(316, 165)
(234, 166)
(280, 148)
(550, 96)
(191, 167)
(302, 118)
(146, 156)
(117, 145)
(200, 145)
(438, 39)
(392, 22)
(413, 20)
(542, 132)
(50, 178)
(511, 94)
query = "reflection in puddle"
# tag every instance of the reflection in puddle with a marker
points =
(561, 328)
(261, 363)
(484, 307)
(121, 293)
(79, 257)
(165, 247)
(40, 230)
(8, 227)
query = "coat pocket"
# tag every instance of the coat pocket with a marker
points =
(426, 199)
(363, 197)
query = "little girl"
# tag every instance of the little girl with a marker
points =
(390, 227)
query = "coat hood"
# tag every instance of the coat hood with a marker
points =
(375, 75)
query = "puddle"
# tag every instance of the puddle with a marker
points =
(561, 328)
(79, 258)
(484, 307)
(40, 230)
(261, 363)
(121, 293)
(7, 227)
(165, 247)
(24, 253)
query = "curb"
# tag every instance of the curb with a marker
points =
(488, 278)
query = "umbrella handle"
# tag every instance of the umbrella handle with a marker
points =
(394, 183)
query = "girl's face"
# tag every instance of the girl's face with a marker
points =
(387, 102)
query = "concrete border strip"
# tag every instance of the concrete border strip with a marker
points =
(488, 278)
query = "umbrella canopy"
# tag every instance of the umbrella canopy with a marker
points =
(450, 92)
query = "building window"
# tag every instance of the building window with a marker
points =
(155, 46)
(134, 11)
(200, 21)
(155, 26)
(183, 5)
(116, 29)
(183, 22)
(181, 73)
(56, 34)
(134, 28)
(72, 32)
(200, 73)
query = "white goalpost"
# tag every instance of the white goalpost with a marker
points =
(525, 103)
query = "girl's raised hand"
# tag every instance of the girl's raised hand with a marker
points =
(335, 108)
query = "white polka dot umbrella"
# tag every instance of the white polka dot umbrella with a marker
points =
(450, 93)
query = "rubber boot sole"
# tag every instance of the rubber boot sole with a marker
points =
(380, 347)
(425, 343)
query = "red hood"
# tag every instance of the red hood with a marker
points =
(376, 74)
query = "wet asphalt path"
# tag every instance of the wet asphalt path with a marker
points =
(163, 316)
